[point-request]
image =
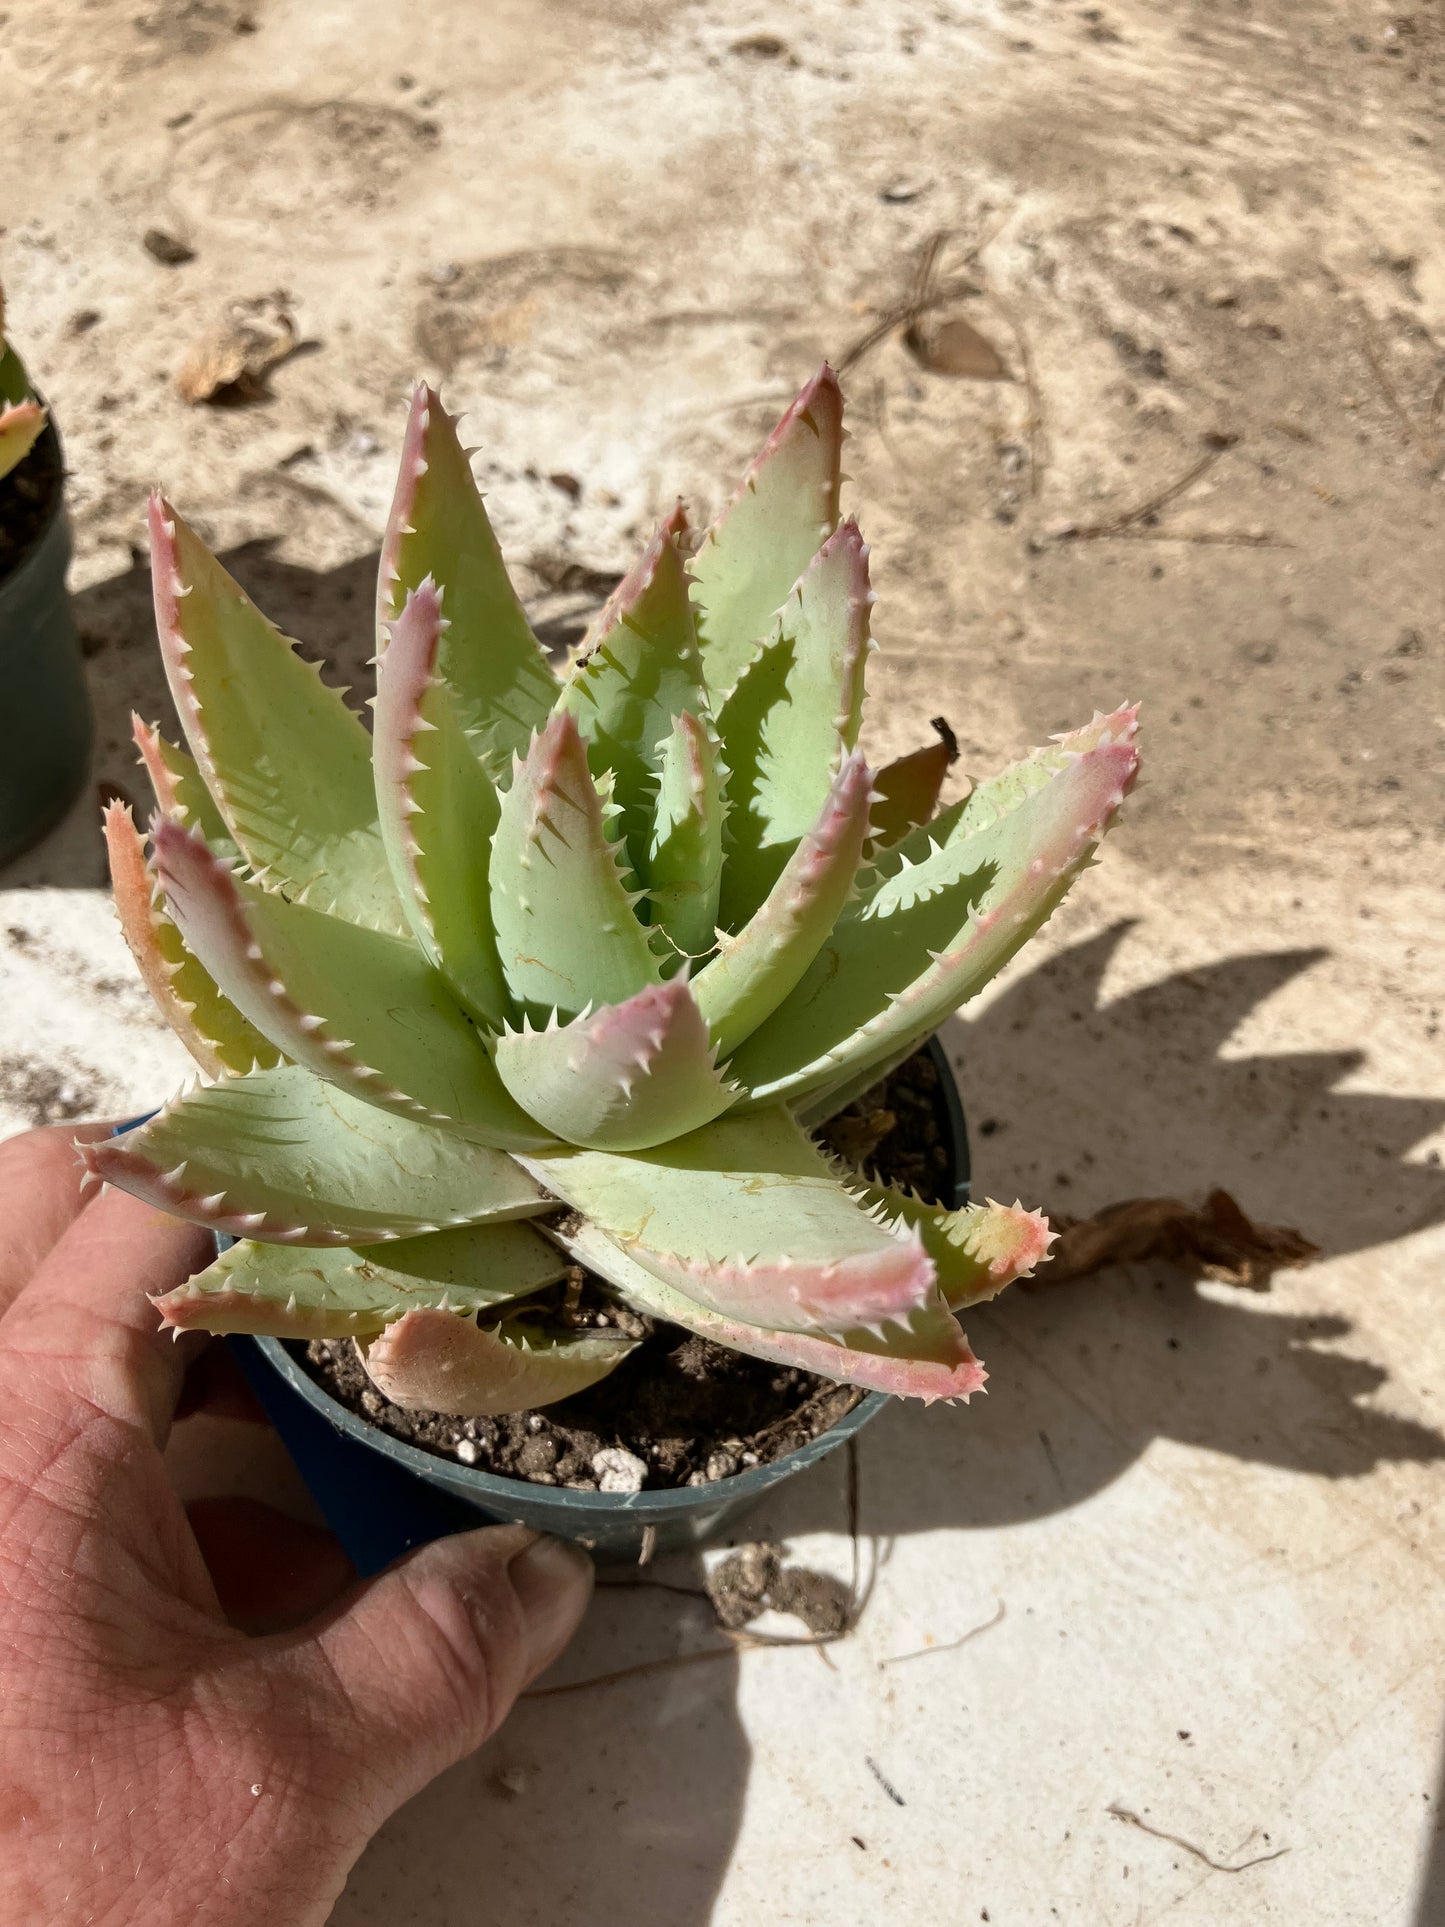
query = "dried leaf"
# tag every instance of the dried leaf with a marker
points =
(955, 347)
(231, 362)
(1220, 1241)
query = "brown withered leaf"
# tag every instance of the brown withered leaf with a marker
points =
(1219, 1241)
(955, 347)
(230, 363)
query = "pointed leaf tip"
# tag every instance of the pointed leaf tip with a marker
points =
(325, 991)
(210, 1026)
(630, 1076)
(500, 680)
(288, 764)
(761, 543)
(574, 938)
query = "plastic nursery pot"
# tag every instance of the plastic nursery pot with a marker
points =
(381, 1496)
(47, 713)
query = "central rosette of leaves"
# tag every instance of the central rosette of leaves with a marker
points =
(611, 940)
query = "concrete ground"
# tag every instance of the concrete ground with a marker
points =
(1202, 1525)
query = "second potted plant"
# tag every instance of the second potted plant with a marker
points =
(47, 714)
(524, 1013)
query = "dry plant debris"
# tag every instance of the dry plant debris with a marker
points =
(1176, 1840)
(231, 363)
(1219, 1239)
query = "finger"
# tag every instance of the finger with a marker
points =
(83, 1329)
(40, 1197)
(271, 1572)
(424, 1663)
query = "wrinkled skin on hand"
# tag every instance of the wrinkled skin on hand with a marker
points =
(159, 1764)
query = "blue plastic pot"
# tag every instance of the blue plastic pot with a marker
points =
(381, 1496)
(47, 713)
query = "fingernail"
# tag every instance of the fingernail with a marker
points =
(553, 1581)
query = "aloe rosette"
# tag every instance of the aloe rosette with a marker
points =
(561, 967)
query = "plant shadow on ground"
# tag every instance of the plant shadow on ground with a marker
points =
(623, 1802)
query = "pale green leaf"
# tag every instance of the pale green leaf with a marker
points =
(360, 1008)
(289, 765)
(502, 683)
(629, 1076)
(792, 719)
(285, 1157)
(785, 510)
(746, 1216)
(283, 1291)
(567, 934)
(438, 809)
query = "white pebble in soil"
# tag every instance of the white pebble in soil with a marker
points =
(467, 1451)
(618, 1470)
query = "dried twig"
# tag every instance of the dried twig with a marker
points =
(1137, 523)
(630, 1672)
(1124, 523)
(887, 1785)
(739, 1639)
(926, 294)
(952, 1646)
(1174, 1839)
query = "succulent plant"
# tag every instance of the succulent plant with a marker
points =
(22, 419)
(563, 967)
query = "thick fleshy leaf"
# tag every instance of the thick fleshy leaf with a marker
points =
(685, 855)
(438, 809)
(281, 1291)
(289, 765)
(754, 971)
(362, 1009)
(746, 1217)
(762, 542)
(629, 1076)
(792, 719)
(978, 1249)
(282, 1156)
(638, 671)
(500, 680)
(209, 1025)
(178, 786)
(909, 786)
(21, 426)
(934, 929)
(567, 935)
(433, 1361)
(924, 1356)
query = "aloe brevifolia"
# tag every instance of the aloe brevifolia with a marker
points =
(559, 968)
(22, 419)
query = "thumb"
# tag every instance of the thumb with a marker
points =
(420, 1665)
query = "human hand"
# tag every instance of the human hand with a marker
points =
(157, 1764)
